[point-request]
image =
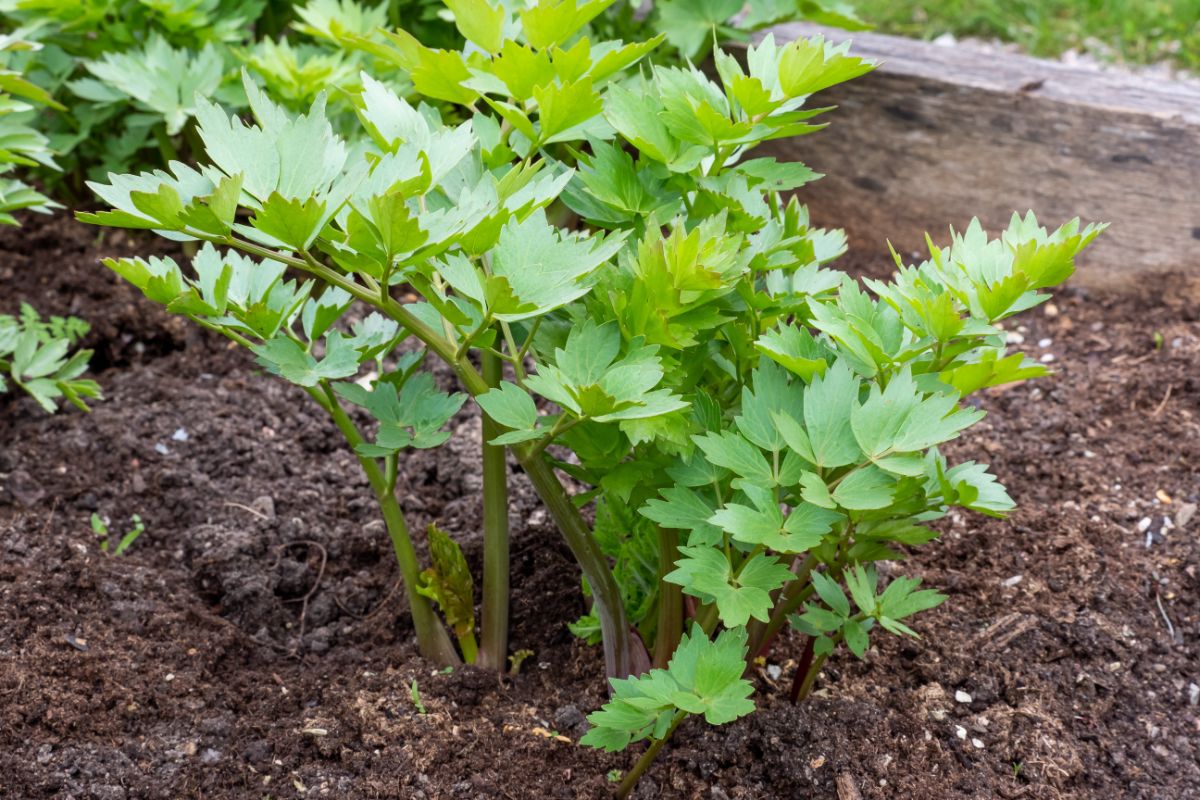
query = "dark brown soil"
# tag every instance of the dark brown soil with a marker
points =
(252, 644)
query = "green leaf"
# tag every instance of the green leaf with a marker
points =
(510, 406)
(287, 359)
(814, 490)
(729, 450)
(545, 267)
(412, 416)
(829, 402)
(553, 22)
(705, 572)
(856, 637)
(900, 419)
(861, 582)
(795, 349)
(864, 489)
(703, 677)
(771, 395)
(563, 108)
(480, 22)
(294, 223)
(690, 24)
(683, 509)
(829, 591)
(810, 65)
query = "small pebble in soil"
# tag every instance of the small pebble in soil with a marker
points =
(962, 696)
(1044, 343)
(774, 671)
(161, 449)
(1184, 515)
(1012, 337)
(180, 435)
(977, 743)
(1009, 583)
(1193, 694)
(960, 732)
(1048, 358)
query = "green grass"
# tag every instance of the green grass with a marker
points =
(1137, 31)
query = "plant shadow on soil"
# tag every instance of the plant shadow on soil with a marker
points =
(252, 642)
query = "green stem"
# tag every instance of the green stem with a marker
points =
(618, 646)
(647, 758)
(494, 624)
(794, 594)
(801, 693)
(166, 148)
(432, 639)
(670, 600)
(470, 650)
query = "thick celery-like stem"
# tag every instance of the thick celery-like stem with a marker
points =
(621, 657)
(432, 638)
(619, 654)
(493, 652)
(670, 600)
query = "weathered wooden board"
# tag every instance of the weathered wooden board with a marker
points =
(939, 134)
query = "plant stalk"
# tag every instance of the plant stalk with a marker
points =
(493, 652)
(793, 595)
(647, 758)
(432, 639)
(670, 600)
(801, 691)
(619, 656)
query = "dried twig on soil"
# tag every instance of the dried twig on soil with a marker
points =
(362, 617)
(1166, 619)
(846, 788)
(998, 635)
(244, 507)
(1163, 403)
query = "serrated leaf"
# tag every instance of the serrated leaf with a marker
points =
(703, 677)
(287, 359)
(511, 406)
(864, 489)
(829, 402)
(729, 450)
(683, 509)
(480, 22)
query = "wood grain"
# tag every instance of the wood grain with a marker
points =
(939, 134)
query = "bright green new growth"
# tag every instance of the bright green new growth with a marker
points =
(101, 530)
(631, 301)
(36, 357)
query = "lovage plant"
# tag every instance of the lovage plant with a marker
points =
(636, 305)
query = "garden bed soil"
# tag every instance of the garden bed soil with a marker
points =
(252, 642)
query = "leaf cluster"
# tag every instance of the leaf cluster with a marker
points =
(36, 357)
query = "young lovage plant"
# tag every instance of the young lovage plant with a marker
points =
(632, 301)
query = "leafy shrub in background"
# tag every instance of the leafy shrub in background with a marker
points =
(20, 144)
(35, 356)
(635, 304)
(131, 69)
